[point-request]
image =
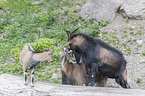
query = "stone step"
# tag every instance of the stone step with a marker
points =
(11, 85)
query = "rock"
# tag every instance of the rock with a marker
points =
(100, 9)
(139, 41)
(134, 9)
(107, 9)
(14, 86)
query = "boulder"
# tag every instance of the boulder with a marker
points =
(100, 9)
(107, 9)
(134, 9)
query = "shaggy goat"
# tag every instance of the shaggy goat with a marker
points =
(75, 74)
(99, 56)
(30, 58)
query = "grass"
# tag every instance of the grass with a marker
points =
(104, 22)
(104, 32)
(124, 31)
(131, 33)
(41, 25)
(139, 33)
(142, 27)
(138, 80)
(124, 44)
(127, 19)
(130, 28)
(143, 53)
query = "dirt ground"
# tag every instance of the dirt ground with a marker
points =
(135, 43)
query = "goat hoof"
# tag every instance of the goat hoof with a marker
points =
(32, 86)
(25, 83)
(92, 84)
(86, 84)
(80, 63)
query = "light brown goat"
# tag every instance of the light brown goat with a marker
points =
(75, 74)
(30, 58)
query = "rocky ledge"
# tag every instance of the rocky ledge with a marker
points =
(11, 85)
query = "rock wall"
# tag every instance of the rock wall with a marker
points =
(107, 9)
(134, 9)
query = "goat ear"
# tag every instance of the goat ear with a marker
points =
(49, 52)
(74, 31)
(67, 43)
(47, 49)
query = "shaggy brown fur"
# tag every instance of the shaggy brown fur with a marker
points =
(99, 56)
(75, 74)
(30, 58)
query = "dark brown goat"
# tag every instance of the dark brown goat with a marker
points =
(75, 74)
(99, 56)
(30, 58)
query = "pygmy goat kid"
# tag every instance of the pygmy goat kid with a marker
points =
(99, 56)
(30, 58)
(75, 74)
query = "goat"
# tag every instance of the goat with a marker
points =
(30, 58)
(75, 74)
(99, 56)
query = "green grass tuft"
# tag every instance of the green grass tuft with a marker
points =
(138, 80)
(143, 53)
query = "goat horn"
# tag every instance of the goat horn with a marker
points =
(68, 33)
(73, 32)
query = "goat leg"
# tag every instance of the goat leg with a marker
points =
(32, 77)
(94, 70)
(25, 76)
(87, 76)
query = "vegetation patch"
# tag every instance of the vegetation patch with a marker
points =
(138, 80)
(41, 25)
(143, 53)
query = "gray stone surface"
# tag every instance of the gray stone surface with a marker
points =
(107, 9)
(100, 9)
(134, 9)
(14, 86)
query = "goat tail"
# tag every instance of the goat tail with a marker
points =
(123, 83)
(29, 47)
(32, 49)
